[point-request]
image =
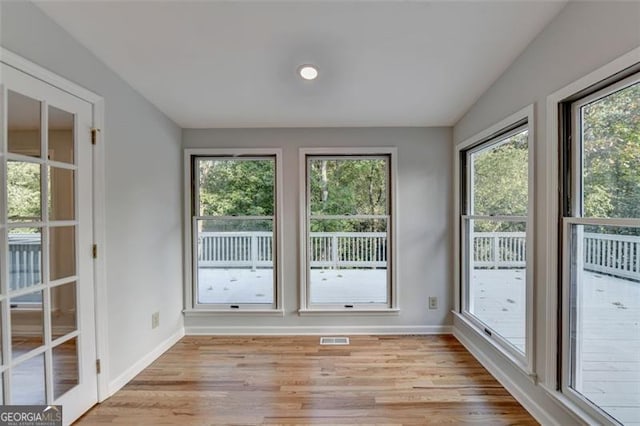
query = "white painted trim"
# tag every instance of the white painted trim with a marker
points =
(131, 372)
(354, 311)
(316, 330)
(99, 203)
(539, 413)
(527, 113)
(392, 152)
(201, 313)
(18, 62)
(190, 304)
(549, 238)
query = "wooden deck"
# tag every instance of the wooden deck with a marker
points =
(410, 380)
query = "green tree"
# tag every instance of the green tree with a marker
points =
(23, 191)
(500, 183)
(611, 155)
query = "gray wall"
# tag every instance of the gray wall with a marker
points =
(582, 38)
(424, 219)
(143, 186)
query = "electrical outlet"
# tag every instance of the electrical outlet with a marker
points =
(155, 319)
(433, 302)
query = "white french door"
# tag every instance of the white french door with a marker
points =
(47, 307)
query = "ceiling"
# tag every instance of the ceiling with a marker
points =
(233, 63)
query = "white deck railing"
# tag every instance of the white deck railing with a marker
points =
(328, 249)
(25, 260)
(499, 249)
(616, 255)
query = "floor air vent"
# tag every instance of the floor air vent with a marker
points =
(334, 340)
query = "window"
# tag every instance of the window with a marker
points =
(495, 236)
(234, 232)
(348, 228)
(601, 260)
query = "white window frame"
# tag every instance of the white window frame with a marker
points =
(497, 132)
(192, 307)
(549, 238)
(306, 307)
(577, 218)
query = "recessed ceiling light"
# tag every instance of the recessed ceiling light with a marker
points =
(308, 72)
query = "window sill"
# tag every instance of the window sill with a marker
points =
(341, 312)
(193, 313)
(531, 375)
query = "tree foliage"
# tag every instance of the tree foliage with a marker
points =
(500, 183)
(611, 155)
(23, 191)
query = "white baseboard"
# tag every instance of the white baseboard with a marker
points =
(514, 389)
(124, 378)
(315, 330)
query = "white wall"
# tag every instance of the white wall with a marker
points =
(143, 189)
(582, 38)
(424, 226)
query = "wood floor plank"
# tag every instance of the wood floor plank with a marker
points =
(394, 380)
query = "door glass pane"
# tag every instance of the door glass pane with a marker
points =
(23, 125)
(63, 310)
(61, 136)
(62, 253)
(348, 186)
(27, 323)
(27, 382)
(23, 192)
(604, 311)
(25, 258)
(496, 275)
(235, 260)
(611, 155)
(65, 367)
(499, 175)
(61, 194)
(348, 261)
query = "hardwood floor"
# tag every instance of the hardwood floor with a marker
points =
(411, 380)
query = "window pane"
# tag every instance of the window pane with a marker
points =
(611, 155)
(25, 258)
(27, 323)
(500, 177)
(63, 310)
(60, 135)
(236, 187)
(27, 382)
(61, 194)
(604, 335)
(235, 261)
(65, 367)
(348, 261)
(348, 186)
(497, 275)
(23, 191)
(23, 125)
(62, 252)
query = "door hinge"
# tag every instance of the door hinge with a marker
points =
(97, 366)
(94, 251)
(94, 135)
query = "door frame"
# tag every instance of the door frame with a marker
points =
(99, 204)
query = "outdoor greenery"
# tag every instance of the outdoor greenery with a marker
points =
(23, 191)
(611, 138)
(348, 186)
(500, 183)
(358, 186)
(611, 166)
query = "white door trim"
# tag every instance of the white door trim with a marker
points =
(18, 62)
